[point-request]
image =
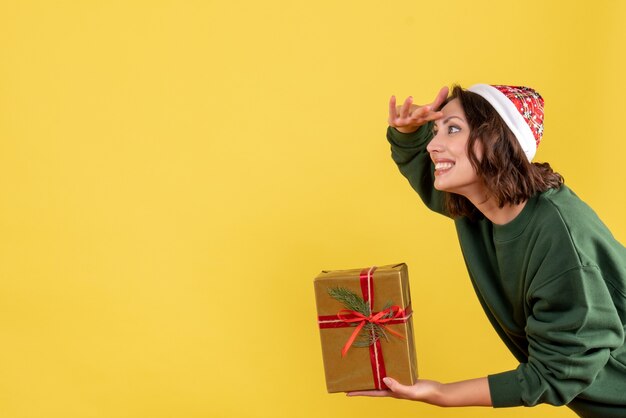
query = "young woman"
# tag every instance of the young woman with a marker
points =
(548, 273)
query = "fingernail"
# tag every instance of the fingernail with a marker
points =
(387, 380)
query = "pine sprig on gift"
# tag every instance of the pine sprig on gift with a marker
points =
(374, 332)
(371, 332)
(350, 300)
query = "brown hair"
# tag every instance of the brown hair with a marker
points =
(508, 175)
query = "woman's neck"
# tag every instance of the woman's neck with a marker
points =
(499, 215)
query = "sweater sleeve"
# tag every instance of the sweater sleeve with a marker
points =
(409, 153)
(571, 331)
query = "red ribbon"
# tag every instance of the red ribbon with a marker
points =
(372, 319)
(346, 318)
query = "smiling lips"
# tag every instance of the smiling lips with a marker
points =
(443, 166)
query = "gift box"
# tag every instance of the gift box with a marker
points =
(366, 329)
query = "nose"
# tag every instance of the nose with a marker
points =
(435, 144)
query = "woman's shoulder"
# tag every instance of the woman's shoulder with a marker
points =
(560, 215)
(563, 204)
(561, 220)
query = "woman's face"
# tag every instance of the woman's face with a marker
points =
(448, 150)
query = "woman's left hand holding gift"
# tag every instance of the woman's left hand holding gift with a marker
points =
(473, 392)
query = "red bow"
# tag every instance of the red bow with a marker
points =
(380, 318)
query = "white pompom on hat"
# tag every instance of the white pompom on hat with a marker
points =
(521, 108)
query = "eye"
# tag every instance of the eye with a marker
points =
(452, 129)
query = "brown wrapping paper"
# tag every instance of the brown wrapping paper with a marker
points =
(355, 371)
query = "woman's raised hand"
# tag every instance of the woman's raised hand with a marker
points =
(409, 117)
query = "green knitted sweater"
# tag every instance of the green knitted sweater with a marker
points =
(553, 284)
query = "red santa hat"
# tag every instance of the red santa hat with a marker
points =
(521, 108)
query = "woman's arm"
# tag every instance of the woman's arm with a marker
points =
(409, 133)
(474, 392)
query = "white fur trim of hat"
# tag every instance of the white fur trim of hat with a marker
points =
(521, 108)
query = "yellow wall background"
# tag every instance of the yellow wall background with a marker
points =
(173, 174)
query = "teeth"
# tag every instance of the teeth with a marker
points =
(443, 166)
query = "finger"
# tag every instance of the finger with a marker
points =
(406, 107)
(441, 97)
(397, 388)
(393, 113)
(433, 116)
(413, 109)
(422, 114)
(371, 393)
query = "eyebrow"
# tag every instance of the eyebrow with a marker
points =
(446, 120)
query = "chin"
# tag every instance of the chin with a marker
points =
(440, 187)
